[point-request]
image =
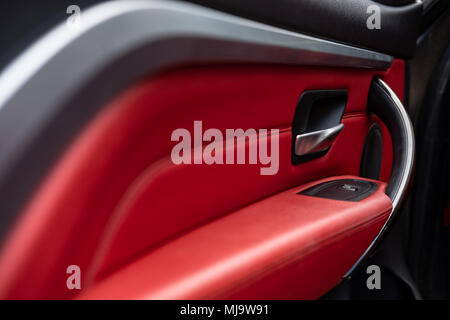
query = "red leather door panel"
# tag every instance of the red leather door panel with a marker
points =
(286, 246)
(114, 193)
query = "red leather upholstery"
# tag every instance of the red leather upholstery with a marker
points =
(169, 199)
(286, 246)
(101, 204)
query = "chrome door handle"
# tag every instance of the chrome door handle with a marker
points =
(316, 141)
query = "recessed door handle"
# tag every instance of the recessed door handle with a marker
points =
(316, 141)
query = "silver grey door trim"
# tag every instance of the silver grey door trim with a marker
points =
(406, 170)
(114, 27)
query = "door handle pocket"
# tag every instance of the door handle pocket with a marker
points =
(317, 123)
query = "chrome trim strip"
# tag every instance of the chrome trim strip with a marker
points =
(409, 135)
(316, 141)
(399, 194)
(112, 28)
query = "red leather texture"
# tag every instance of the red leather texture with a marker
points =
(114, 194)
(201, 192)
(286, 246)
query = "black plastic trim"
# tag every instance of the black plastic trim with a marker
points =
(343, 21)
(372, 154)
(336, 190)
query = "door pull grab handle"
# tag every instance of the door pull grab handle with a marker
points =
(316, 141)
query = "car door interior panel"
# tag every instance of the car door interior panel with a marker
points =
(141, 174)
(278, 233)
(88, 168)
